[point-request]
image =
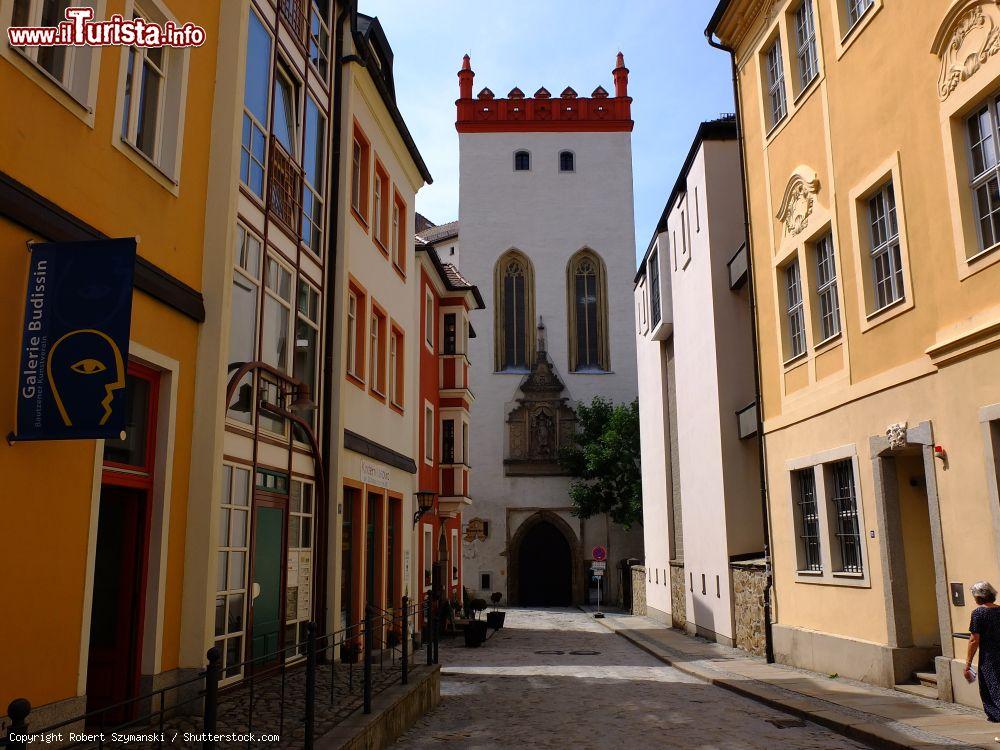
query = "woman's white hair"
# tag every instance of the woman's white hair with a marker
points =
(983, 590)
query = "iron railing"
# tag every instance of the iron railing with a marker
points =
(286, 698)
(284, 188)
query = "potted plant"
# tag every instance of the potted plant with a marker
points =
(496, 617)
(475, 629)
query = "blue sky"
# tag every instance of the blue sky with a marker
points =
(676, 79)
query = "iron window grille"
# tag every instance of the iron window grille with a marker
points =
(887, 265)
(856, 9)
(808, 519)
(796, 315)
(983, 165)
(848, 526)
(826, 288)
(776, 83)
(805, 37)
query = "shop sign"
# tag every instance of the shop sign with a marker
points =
(374, 474)
(74, 342)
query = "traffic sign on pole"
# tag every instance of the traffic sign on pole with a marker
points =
(600, 553)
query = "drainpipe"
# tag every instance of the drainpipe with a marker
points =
(761, 448)
(330, 382)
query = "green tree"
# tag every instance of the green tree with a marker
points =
(604, 462)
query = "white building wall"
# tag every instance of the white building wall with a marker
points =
(548, 216)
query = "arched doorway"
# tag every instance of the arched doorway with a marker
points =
(545, 568)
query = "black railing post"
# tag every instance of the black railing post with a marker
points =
(404, 638)
(212, 675)
(18, 710)
(368, 659)
(436, 624)
(428, 637)
(310, 683)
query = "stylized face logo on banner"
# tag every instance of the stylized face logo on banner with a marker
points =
(88, 366)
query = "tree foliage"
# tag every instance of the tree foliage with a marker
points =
(604, 462)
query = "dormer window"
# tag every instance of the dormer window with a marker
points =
(567, 162)
(522, 161)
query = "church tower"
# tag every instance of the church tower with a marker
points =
(547, 233)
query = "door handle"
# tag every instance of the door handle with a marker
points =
(254, 591)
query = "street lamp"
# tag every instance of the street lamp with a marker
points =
(425, 503)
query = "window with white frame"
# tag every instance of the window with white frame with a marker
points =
(286, 109)
(305, 363)
(243, 317)
(256, 100)
(313, 177)
(429, 433)
(277, 314)
(429, 319)
(983, 167)
(777, 106)
(887, 265)
(396, 357)
(856, 9)
(69, 67)
(145, 76)
(374, 351)
(231, 576)
(465, 443)
(319, 36)
(845, 508)
(395, 238)
(428, 556)
(794, 313)
(804, 486)
(805, 42)
(654, 286)
(826, 288)
(299, 571)
(352, 332)
(454, 555)
(447, 441)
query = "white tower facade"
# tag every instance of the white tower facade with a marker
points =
(547, 233)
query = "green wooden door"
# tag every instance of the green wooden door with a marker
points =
(269, 528)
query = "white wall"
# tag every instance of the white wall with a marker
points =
(548, 216)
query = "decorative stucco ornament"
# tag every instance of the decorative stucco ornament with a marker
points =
(896, 435)
(797, 203)
(965, 43)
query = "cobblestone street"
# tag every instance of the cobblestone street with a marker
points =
(555, 678)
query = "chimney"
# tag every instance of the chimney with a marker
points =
(621, 77)
(465, 76)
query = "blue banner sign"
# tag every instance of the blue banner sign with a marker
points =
(74, 347)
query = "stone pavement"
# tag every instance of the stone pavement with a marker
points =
(878, 716)
(557, 678)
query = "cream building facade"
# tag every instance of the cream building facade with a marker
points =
(870, 160)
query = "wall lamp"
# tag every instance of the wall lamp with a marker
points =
(425, 503)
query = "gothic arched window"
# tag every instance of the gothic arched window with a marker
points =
(588, 313)
(522, 161)
(514, 288)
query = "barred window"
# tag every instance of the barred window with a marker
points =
(776, 83)
(805, 483)
(826, 288)
(983, 143)
(805, 38)
(794, 310)
(848, 526)
(887, 265)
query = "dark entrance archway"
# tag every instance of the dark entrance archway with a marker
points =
(545, 568)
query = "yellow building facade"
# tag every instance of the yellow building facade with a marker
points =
(870, 135)
(81, 160)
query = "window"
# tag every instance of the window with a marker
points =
(805, 39)
(887, 266)
(243, 318)
(277, 314)
(306, 358)
(775, 83)
(697, 211)
(450, 333)
(355, 354)
(397, 355)
(231, 580)
(378, 224)
(360, 154)
(398, 233)
(448, 441)
(144, 90)
(69, 67)
(845, 505)
(794, 311)
(378, 350)
(428, 556)
(588, 316)
(805, 484)
(429, 433)
(514, 311)
(983, 144)
(856, 9)
(485, 581)
(255, 106)
(522, 161)
(566, 161)
(319, 36)
(286, 110)
(826, 288)
(486, 529)
(429, 319)
(654, 286)
(299, 575)
(465, 443)
(313, 177)
(454, 555)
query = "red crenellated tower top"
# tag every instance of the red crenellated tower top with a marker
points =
(518, 113)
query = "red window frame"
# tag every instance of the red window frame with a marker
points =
(129, 475)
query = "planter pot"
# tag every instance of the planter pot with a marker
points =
(475, 633)
(392, 639)
(495, 619)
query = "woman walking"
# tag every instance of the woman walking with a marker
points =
(985, 637)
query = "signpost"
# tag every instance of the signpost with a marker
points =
(597, 568)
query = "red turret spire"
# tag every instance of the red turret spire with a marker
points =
(621, 76)
(465, 76)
